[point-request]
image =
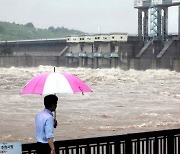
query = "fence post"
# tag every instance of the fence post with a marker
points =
(98, 149)
(77, 149)
(147, 145)
(128, 146)
(117, 147)
(156, 146)
(107, 148)
(170, 144)
(57, 150)
(88, 149)
(67, 150)
(56, 147)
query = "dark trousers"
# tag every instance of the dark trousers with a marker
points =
(43, 148)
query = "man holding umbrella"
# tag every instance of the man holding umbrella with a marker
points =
(45, 125)
(47, 84)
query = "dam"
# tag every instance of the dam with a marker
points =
(152, 48)
(126, 54)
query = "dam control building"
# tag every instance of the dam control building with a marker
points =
(154, 13)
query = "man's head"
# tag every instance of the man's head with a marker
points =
(50, 102)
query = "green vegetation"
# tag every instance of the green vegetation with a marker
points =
(13, 31)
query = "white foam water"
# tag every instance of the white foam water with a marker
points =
(121, 102)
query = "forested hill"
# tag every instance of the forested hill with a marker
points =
(13, 31)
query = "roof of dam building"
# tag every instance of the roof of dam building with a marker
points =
(150, 3)
(98, 38)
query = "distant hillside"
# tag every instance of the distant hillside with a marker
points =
(13, 31)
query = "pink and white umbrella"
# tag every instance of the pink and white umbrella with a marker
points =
(53, 83)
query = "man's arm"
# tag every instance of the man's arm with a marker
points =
(49, 127)
(51, 144)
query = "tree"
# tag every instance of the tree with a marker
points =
(29, 25)
(52, 29)
(1, 29)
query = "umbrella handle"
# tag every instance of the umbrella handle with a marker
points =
(55, 114)
(55, 110)
(55, 121)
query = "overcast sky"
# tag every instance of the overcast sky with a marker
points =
(92, 16)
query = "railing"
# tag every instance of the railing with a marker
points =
(158, 142)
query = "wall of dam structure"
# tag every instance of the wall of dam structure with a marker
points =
(125, 54)
(30, 61)
(103, 53)
(130, 54)
(158, 55)
(28, 53)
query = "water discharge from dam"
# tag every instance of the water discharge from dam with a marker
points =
(122, 102)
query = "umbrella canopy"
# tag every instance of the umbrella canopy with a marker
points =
(53, 83)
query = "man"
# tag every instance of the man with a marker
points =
(45, 124)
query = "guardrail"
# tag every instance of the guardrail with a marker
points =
(157, 142)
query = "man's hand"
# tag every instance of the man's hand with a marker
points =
(53, 151)
(55, 123)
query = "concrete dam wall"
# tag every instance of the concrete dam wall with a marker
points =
(34, 53)
(130, 54)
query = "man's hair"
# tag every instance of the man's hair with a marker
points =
(49, 100)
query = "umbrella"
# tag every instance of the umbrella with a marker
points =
(54, 83)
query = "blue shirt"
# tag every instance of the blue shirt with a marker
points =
(44, 126)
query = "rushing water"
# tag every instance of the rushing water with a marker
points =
(122, 102)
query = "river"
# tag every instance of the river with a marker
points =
(122, 102)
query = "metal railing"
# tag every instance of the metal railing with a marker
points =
(157, 142)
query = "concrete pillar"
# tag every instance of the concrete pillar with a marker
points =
(159, 15)
(140, 24)
(80, 61)
(81, 47)
(90, 62)
(145, 24)
(100, 62)
(165, 23)
(113, 62)
(134, 64)
(176, 65)
(95, 62)
(158, 63)
(153, 64)
(125, 62)
(84, 62)
(179, 23)
(163, 37)
(69, 61)
(116, 49)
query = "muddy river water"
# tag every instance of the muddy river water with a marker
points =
(122, 102)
